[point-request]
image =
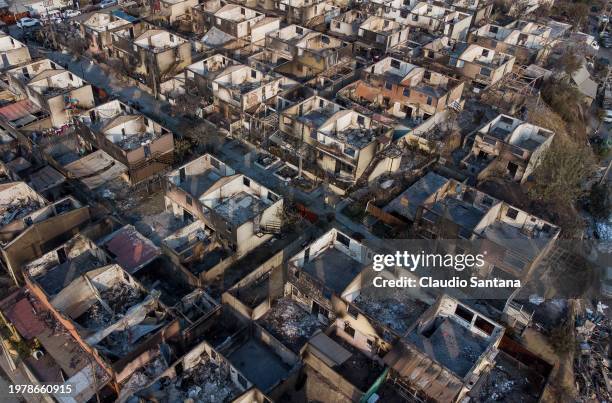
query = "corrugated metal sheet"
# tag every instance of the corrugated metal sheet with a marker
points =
(423, 373)
(18, 110)
(132, 250)
(22, 316)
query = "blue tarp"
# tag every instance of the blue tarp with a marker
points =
(124, 16)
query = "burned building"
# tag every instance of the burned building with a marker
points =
(106, 309)
(52, 88)
(12, 52)
(508, 145)
(242, 212)
(416, 99)
(141, 144)
(155, 54)
(329, 266)
(446, 352)
(98, 27)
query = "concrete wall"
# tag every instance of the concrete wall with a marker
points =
(57, 105)
(15, 57)
(42, 237)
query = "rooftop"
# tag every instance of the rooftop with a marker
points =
(458, 211)
(94, 169)
(130, 248)
(251, 356)
(407, 203)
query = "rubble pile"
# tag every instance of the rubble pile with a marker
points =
(121, 297)
(146, 374)
(96, 317)
(288, 319)
(17, 209)
(392, 309)
(592, 362)
(204, 383)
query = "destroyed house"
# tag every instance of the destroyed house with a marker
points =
(290, 323)
(347, 24)
(343, 142)
(518, 375)
(225, 22)
(39, 231)
(242, 88)
(308, 52)
(510, 145)
(199, 374)
(20, 206)
(434, 19)
(482, 65)
(172, 11)
(304, 119)
(516, 241)
(12, 52)
(76, 158)
(307, 13)
(33, 215)
(284, 42)
(224, 372)
(479, 9)
(405, 206)
(372, 319)
(342, 365)
(328, 266)
(204, 14)
(447, 351)
(416, 99)
(245, 348)
(52, 88)
(200, 75)
(96, 29)
(196, 251)
(381, 33)
(155, 54)
(144, 146)
(102, 305)
(527, 41)
(250, 296)
(53, 354)
(241, 211)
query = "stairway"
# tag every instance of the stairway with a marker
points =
(272, 227)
